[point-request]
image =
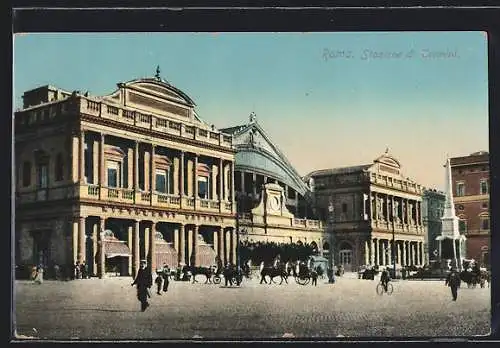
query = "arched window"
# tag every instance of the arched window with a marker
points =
(59, 168)
(26, 173)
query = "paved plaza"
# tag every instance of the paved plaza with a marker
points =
(108, 309)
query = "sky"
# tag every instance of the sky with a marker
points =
(325, 99)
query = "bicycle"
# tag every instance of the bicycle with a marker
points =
(380, 289)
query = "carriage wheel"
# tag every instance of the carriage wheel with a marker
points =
(302, 281)
(217, 279)
(380, 289)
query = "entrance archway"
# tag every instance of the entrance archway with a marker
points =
(346, 256)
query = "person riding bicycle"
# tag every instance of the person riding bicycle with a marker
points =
(385, 278)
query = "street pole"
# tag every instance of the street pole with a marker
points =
(331, 275)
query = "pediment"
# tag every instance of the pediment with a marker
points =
(153, 95)
(113, 151)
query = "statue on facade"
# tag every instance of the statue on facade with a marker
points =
(253, 117)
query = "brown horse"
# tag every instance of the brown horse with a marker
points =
(273, 272)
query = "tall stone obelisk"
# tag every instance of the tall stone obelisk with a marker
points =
(450, 239)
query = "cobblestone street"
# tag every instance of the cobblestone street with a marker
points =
(97, 309)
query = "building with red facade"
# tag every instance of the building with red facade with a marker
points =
(471, 191)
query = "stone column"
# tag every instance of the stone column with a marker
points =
(213, 183)
(102, 251)
(181, 180)
(189, 246)
(367, 253)
(216, 241)
(392, 211)
(81, 239)
(220, 243)
(418, 213)
(221, 184)
(175, 241)
(95, 233)
(130, 169)
(373, 203)
(81, 162)
(400, 253)
(74, 167)
(389, 255)
(102, 175)
(136, 166)
(242, 176)
(76, 226)
(152, 247)
(227, 245)
(130, 247)
(387, 212)
(195, 254)
(233, 201)
(376, 249)
(234, 245)
(95, 160)
(422, 255)
(182, 245)
(147, 233)
(136, 253)
(372, 252)
(404, 263)
(408, 212)
(195, 183)
(152, 171)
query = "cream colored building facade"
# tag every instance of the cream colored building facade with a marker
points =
(368, 206)
(138, 162)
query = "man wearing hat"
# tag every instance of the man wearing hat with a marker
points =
(453, 281)
(143, 281)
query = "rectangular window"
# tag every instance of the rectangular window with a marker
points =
(43, 179)
(484, 186)
(113, 170)
(26, 174)
(161, 181)
(203, 187)
(485, 224)
(344, 208)
(460, 189)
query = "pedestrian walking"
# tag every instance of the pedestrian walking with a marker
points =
(314, 277)
(143, 281)
(453, 281)
(166, 277)
(159, 281)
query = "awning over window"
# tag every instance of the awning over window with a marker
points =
(206, 255)
(114, 248)
(165, 254)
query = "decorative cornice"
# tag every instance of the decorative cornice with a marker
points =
(150, 132)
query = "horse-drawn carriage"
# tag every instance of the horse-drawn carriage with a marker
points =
(474, 278)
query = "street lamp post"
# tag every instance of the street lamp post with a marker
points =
(331, 272)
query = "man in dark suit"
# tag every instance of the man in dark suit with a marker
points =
(143, 281)
(453, 281)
